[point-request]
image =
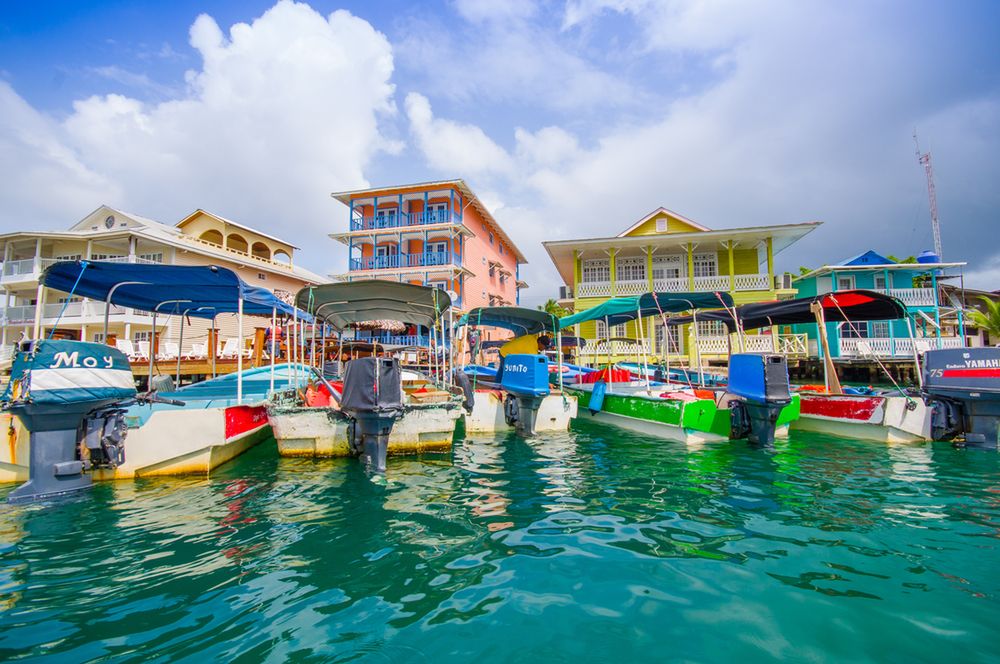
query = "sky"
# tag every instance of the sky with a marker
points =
(568, 119)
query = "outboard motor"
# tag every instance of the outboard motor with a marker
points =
(963, 384)
(526, 381)
(373, 399)
(761, 381)
(65, 393)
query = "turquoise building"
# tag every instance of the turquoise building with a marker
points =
(915, 284)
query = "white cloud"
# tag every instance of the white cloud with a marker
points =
(479, 11)
(452, 147)
(281, 112)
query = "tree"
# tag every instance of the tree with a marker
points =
(804, 270)
(988, 320)
(908, 259)
(552, 307)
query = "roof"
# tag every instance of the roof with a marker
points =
(194, 290)
(920, 267)
(852, 305)
(867, 258)
(519, 320)
(346, 196)
(561, 251)
(663, 210)
(185, 220)
(356, 301)
(624, 309)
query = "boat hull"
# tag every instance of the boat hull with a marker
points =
(885, 419)
(554, 413)
(323, 432)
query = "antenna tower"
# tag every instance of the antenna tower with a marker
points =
(925, 159)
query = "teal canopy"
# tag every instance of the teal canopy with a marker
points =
(516, 319)
(620, 310)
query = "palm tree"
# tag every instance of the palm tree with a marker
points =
(552, 307)
(988, 320)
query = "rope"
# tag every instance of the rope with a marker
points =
(874, 357)
(666, 339)
(66, 303)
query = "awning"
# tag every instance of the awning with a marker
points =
(355, 301)
(624, 309)
(519, 320)
(852, 305)
(194, 290)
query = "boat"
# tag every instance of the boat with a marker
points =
(523, 399)
(756, 405)
(193, 430)
(324, 419)
(889, 416)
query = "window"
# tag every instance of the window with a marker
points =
(845, 282)
(98, 337)
(596, 270)
(436, 213)
(706, 265)
(262, 276)
(668, 267)
(503, 278)
(437, 247)
(879, 282)
(156, 257)
(501, 248)
(630, 268)
(106, 257)
(661, 225)
(385, 250)
(440, 285)
(878, 328)
(601, 329)
(484, 293)
(69, 257)
(712, 328)
(619, 330)
(853, 330)
(140, 336)
(491, 238)
(672, 338)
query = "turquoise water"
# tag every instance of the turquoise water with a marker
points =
(597, 545)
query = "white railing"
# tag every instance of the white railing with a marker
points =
(601, 349)
(674, 285)
(631, 287)
(887, 347)
(752, 282)
(715, 345)
(242, 254)
(793, 345)
(19, 315)
(24, 269)
(7, 352)
(786, 344)
(716, 283)
(125, 259)
(594, 289)
(913, 297)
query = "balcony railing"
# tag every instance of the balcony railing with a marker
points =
(397, 261)
(24, 269)
(404, 219)
(742, 282)
(396, 339)
(888, 347)
(912, 297)
(25, 314)
(792, 345)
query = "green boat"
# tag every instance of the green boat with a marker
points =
(757, 404)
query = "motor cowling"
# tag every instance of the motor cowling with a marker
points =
(760, 380)
(964, 386)
(373, 399)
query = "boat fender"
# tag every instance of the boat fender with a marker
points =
(511, 410)
(597, 397)
(462, 380)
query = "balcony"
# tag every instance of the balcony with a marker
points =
(405, 219)
(790, 345)
(887, 347)
(24, 270)
(76, 313)
(396, 339)
(912, 297)
(401, 261)
(741, 282)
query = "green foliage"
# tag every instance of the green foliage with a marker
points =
(552, 307)
(804, 270)
(988, 320)
(896, 259)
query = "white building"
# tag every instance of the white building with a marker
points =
(108, 234)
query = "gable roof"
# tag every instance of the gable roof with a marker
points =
(662, 210)
(230, 222)
(869, 257)
(139, 219)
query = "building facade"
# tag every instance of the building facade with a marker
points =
(435, 234)
(667, 252)
(919, 285)
(108, 234)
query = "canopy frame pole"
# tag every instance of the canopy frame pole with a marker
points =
(830, 379)
(239, 354)
(274, 333)
(180, 349)
(559, 363)
(107, 301)
(916, 356)
(607, 334)
(697, 347)
(152, 353)
(293, 346)
(642, 346)
(215, 341)
(322, 343)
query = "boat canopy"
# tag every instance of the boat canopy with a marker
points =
(852, 305)
(201, 291)
(356, 301)
(620, 310)
(518, 320)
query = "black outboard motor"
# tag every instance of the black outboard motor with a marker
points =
(761, 380)
(963, 384)
(526, 381)
(64, 392)
(373, 399)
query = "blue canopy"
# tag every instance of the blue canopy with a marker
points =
(516, 319)
(195, 290)
(624, 309)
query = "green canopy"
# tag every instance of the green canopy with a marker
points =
(620, 310)
(517, 319)
(356, 301)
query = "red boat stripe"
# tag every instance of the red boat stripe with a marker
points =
(850, 408)
(241, 419)
(971, 373)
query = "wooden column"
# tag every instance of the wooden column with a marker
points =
(690, 251)
(258, 345)
(649, 267)
(611, 271)
(732, 269)
(213, 343)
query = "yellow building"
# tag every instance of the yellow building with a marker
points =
(667, 252)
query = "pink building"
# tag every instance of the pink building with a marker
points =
(434, 233)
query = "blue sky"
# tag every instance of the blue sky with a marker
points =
(569, 119)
